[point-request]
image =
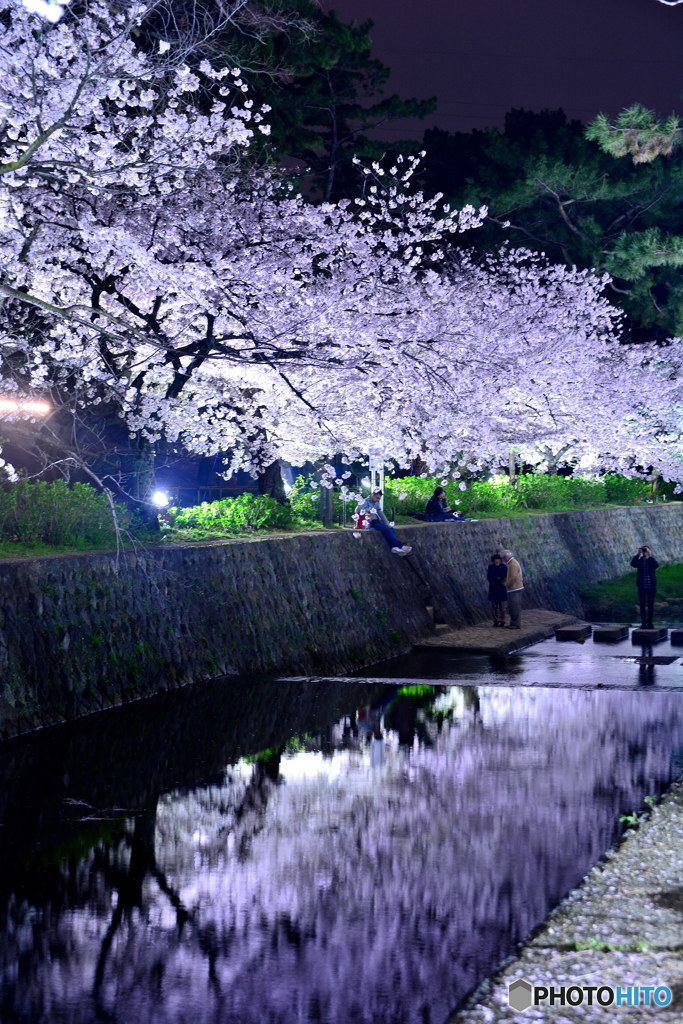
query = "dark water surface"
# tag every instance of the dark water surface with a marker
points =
(247, 852)
(622, 665)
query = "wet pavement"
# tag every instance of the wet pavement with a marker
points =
(483, 638)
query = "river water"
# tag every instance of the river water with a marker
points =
(260, 852)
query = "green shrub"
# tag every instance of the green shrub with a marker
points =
(668, 491)
(59, 514)
(495, 499)
(534, 491)
(304, 502)
(622, 491)
(556, 493)
(245, 514)
(409, 494)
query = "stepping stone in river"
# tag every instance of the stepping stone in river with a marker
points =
(676, 637)
(649, 636)
(577, 631)
(610, 634)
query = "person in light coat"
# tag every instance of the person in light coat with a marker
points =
(514, 584)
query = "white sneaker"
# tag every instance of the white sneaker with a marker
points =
(406, 549)
(397, 551)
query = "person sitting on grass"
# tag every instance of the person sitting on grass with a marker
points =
(437, 511)
(371, 508)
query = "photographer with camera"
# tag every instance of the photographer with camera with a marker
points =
(646, 580)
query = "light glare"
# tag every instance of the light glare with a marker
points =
(32, 407)
(40, 408)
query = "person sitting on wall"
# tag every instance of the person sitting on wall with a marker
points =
(646, 567)
(370, 509)
(437, 511)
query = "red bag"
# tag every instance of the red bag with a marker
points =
(363, 519)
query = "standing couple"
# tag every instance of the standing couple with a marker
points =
(505, 585)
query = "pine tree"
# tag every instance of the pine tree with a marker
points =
(549, 187)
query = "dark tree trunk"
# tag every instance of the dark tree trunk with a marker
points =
(143, 482)
(326, 506)
(270, 482)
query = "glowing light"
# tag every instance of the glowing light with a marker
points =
(32, 407)
(366, 482)
(40, 408)
(50, 11)
(160, 499)
(499, 478)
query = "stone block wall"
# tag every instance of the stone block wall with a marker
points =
(559, 553)
(81, 632)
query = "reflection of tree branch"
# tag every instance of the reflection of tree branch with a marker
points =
(142, 865)
(105, 948)
(255, 799)
(182, 913)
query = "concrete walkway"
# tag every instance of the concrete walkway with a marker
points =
(483, 638)
(623, 926)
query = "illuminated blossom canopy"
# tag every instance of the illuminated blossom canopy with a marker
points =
(148, 267)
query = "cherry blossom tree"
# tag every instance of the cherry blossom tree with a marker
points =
(146, 267)
(136, 249)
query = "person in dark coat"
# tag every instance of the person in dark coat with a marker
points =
(437, 511)
(646, 581)
(496, 573)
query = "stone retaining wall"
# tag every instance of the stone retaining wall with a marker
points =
(80, 632)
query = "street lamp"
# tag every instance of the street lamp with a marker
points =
(25, 406)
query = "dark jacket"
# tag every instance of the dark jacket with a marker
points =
(495, 574)
(435, 506)
(646, 569)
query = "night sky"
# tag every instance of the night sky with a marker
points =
(482, 57)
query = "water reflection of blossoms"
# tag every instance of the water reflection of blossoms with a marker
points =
(308, 887)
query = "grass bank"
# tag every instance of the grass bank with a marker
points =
(38, 518)
(618, 599)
